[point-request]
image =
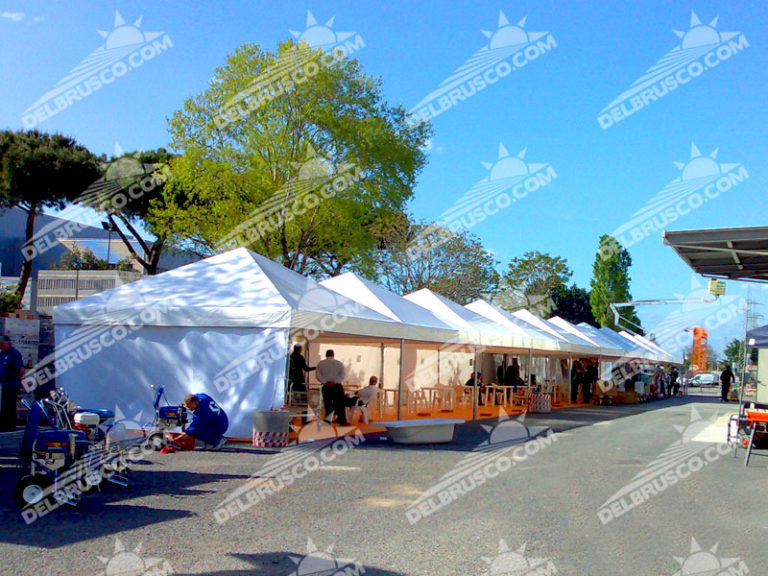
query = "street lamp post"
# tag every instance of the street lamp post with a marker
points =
(109, 227)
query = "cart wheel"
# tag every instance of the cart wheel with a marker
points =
(31, 489)
(156, 441)
(745, 442)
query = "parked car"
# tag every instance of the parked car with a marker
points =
(705, 379)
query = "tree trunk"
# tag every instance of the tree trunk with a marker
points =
(26, 267)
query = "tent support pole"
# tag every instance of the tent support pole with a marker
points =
(570, 377)
(475, 388)
(381, 366)
(400, 382)
(599, 374)
(530, 366)
(438, 365)
(382, 399)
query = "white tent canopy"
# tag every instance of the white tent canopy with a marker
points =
(422, 324)
(574, 343)
(220, 326)
(475, 328)
(540, 340)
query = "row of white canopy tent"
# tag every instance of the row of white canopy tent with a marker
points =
(225, 325)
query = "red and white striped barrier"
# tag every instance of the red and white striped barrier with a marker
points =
(270, 439)
(540, 403)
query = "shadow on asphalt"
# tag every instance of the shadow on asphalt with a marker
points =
(67, 526)
(469, 436)
(320, 562)
(101, 513)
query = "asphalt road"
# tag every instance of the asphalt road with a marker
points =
(507, 508)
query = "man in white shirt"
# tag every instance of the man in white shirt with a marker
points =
(330, 372)
(363, 397)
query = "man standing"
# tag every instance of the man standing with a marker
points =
(673, 382)
(297, 366)
(726, 377)
(330, 372)
(296, 369)
(11, 373)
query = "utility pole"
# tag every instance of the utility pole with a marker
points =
(750, 320)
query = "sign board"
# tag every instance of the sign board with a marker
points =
(717, 287)
(25, 337)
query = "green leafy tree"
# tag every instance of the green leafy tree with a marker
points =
(532, 280)
(37, 171)
(610, 285)
(9, 299)
(734, 354)
(304, 176)
(455, 265)
(78, 258)
(573, 304)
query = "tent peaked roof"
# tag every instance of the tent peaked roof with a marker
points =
(540, 340)
(424, 324)
(563, 324)
(540, 323)
(477, 328)
(235, 288)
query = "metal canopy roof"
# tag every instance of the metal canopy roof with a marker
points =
(730, 253)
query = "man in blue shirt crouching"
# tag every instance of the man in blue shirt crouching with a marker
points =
(209, 421)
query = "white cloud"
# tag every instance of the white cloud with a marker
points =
(38, 19)
(429, 147)
(12, 16)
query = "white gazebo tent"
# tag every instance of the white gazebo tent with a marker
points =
(427, 338)
(488, 338)
(220, 326)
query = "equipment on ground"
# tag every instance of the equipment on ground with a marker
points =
(166, 418)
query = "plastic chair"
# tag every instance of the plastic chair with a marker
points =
(416, 399)
(364, 409)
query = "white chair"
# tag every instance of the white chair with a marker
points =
(416, 399)
(364, 409)
(445, 397)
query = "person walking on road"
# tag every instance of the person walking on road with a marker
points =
(331, 374)
(11, 374)
(674, 384)
(726, 377)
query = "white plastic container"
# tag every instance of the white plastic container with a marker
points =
(88, 419)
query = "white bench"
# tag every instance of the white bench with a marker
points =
(424, 431)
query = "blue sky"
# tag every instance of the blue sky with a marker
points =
(597, 179)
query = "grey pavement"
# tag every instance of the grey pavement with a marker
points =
(538, 516)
